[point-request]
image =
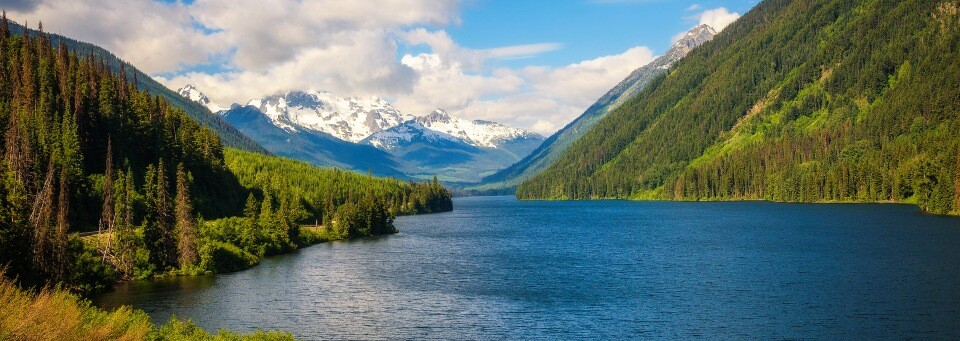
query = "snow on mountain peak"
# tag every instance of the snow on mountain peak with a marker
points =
(193, 94)
(695, 37)
(441, 125)
(349, 119)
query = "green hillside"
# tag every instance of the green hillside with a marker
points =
(796, 101)
(506, 180)
(230, 136)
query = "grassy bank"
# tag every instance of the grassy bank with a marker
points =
(52, 314)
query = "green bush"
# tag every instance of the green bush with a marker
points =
(218, 256)
(89, 274)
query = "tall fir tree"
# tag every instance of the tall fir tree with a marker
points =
(186, 228)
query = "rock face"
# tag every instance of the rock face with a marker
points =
(557, 143)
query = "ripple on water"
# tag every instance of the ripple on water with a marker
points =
(496, 268)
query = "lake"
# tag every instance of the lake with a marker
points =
(497, 268)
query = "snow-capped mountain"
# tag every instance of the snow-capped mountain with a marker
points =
(370, 134)
(349, 119)
(457, 149)
(193, 94)
(439, 125)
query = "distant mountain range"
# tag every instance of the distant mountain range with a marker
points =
(369, 134)
(507, 179)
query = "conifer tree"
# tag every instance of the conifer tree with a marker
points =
(185, 225)
(108, 213)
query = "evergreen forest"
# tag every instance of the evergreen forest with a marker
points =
(857, 102)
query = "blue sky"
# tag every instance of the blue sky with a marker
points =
(530, 64)
(586, 29)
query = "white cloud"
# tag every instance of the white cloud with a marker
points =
(160, 37)
(353, 63)
(718, 18)
(542, 99)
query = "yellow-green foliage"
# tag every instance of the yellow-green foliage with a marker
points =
(57, 315)
(320, 188)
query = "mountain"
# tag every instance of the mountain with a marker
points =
(441, 125)
(369, 134)
(456, 149)
(828, 100)
(348, 119)
(230, 136)
(554, 146)
(194, 95)
(315, 147)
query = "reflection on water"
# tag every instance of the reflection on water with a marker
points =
(169, 293)
(496, 268)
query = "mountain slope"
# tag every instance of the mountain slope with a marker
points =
(554, 146)
(455, 149)
(797, 101)
(317, 148)
(348, 119)
(228, 135)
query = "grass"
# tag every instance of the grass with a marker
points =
(53, 314)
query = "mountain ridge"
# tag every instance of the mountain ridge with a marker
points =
(369, 134)
(552, 147)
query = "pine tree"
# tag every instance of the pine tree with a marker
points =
(41, 221)
(60, 257)
(252, 207)
(108, 214)
(159, 222)
(185, 225)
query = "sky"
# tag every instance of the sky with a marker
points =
(535, 65)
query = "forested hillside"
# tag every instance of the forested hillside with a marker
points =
(84, 149)
(321, 189)
(230, 136)
(551, 149)
(796, 101)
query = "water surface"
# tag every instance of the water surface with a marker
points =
(497, 268)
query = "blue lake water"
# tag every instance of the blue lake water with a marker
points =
(497, 268)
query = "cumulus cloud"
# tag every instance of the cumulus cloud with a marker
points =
(542, 99)
(157, 36)
(718, 18)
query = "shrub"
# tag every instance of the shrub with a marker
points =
(224, 257)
